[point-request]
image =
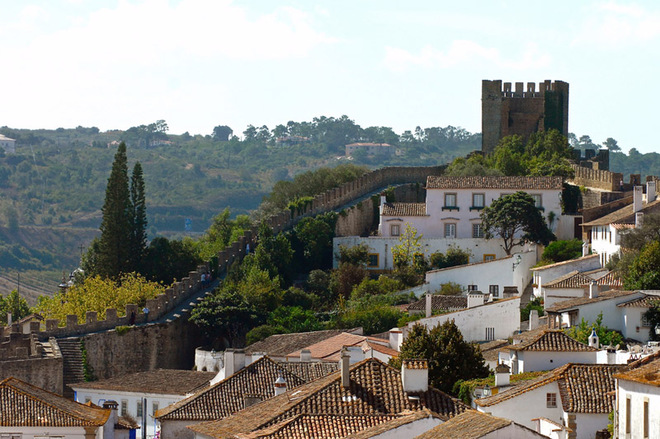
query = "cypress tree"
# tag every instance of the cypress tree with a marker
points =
(139, 219)
(114, 249)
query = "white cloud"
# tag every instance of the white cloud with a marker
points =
(616, 25)
(463, 53)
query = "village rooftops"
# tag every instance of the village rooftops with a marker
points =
(646, 374)
(552, 340)
(489, 182)
(584, 388)
(160, 381)
(570, 261)
(257, 380)
(440, 303)
(281, 344)
(610, 279)
(625, 215)
(330, 349)
(374, 388)
(24, 405)
(404, 209)
(574, 279)
(650, 299)
(567, 305)
(470, 424)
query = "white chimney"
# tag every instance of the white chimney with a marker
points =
(234, 361)
(305, 355)
(650, 191)
(585, 248)
(533, 319)
(344, 367)
(356, 353)
(639, 219)
(415, 375)
(475, 298)
(594, 342)
(593, 289)
(255, 356)
(280, 386)
(429, 305)
(113, 419)
(396, 338)
(502, 375)
(637, 199)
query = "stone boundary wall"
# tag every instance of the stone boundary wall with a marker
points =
(605, 180)
(180, 291)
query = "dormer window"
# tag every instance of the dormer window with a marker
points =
(450, 202)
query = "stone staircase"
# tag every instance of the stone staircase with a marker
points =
(72, 363)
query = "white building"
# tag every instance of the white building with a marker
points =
(575, 285)
(638, 400)
(578, 396)
(141, 394)
(8, 144)
(476, 425)
(549, 273)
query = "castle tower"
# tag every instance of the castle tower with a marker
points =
(506, 111)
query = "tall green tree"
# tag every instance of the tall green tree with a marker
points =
(450, 357)
(15, 305)
(139, 219)
(114, 244)
(516, 220)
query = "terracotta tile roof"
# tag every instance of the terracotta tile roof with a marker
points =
(574, 279)
(570, 261)
(644, 371)
(382, 349)
(623, 226)
(552, 340)
(228, 396)
(281, 344)
(584, 388)
(160, 381)
(416, 364)
(404, 209)
(440, 303)
(567, 305)
(318, 426)
(490, 350)
(509, 183)
(402, 419)
(468, 425)
(375, 389)
(127, 423)
(25, 405)
(646, 301)
(330, 349)
(625, 215)
(611, 279)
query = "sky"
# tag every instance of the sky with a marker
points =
(202, 63)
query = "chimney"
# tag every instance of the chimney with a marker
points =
(355, 352)
(396, 338)
(280, 386)
(637, 199)
(255, 356)
(594, 342)
(429, 305)
(344, 367)
(650, 191)
(415, 375)
(475, 298)
(585, 248)
(502, 375)
(383, 200)
(639, 219)
(533, 319)
(306, 355)
(113, 419)
(234, 361)
(593, 289)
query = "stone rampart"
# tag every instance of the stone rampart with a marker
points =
(595, 178)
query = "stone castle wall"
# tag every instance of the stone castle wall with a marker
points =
(595, 178)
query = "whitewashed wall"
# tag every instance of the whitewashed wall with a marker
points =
(544, 275)
(637, 393)
(532, 361)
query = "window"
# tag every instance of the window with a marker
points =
(139, 408)
(450, 230)
(450, 202)
(538, 200)
(646, 418)
(490, 334)
(628, 426)
(473, 288)
(373, 260)
(645, 321)
(478, 201)
(154, 408)
(395, 230)
(551, 400)
(494, 290)
(124, 408)
(489, 257)
(477, 231)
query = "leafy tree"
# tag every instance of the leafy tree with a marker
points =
(450, 357)
(294, 319)
(222, 133)
(372, 287)
(15, 305)
(166, 260)
(611, 144)
(643, 273)
(402, 254)
(273, 253)
(11, 216)
(582, 332)
(355, 255)
(536, 303)
(559, 251)
(345, 278)
(474, 165)
(454, 256)
(516, 220)
(640, 236)
(450, 289)
(653, 316)
(373, 320)
(316, 236)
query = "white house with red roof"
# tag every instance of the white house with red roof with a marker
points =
(638, 399)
